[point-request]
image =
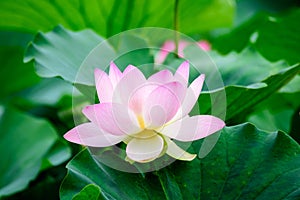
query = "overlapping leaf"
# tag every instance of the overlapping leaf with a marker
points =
(24, 142)
(246, 163)
(61, 52)
(240, 99)
(280, 111)
(245, 68)
(275, 37)
(14, 75)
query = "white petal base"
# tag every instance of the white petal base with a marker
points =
(145, 149)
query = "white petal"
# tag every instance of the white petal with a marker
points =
(128, 68)
(139, 96)
(103, 86)
(176, 152)
(193, 128)
(114, 74)
(129, 83)
(89, 134)
(162, 104)
(146, 149)
(164, 76)
(114, 118)
(191, 98)
(182, 73)
(192, 95)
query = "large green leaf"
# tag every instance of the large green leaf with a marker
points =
(24, 142)
(48, 182)
(15, 39)
(270, 120)
(245, 68)
(275, 36)
(293, 86)
(61, 52)
(274, 44)
(248, 8)
(276, 113)
(240, 36)
(48, 91)
(110, 17)
(241, 99)
(59, 153)
(14, 74)
(89, 192)
(246, 163)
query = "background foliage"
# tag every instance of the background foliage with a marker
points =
(255, 45)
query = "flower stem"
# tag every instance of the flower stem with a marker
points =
(176, 26)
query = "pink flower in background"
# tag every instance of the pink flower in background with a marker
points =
(146, 114)
(169, 46)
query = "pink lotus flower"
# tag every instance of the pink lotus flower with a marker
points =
(169, 46)
(146, 114)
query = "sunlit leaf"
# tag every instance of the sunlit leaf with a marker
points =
(61, 52)
(110, 17)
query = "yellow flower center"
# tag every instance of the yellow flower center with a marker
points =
(145, 134)
(141, 121)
